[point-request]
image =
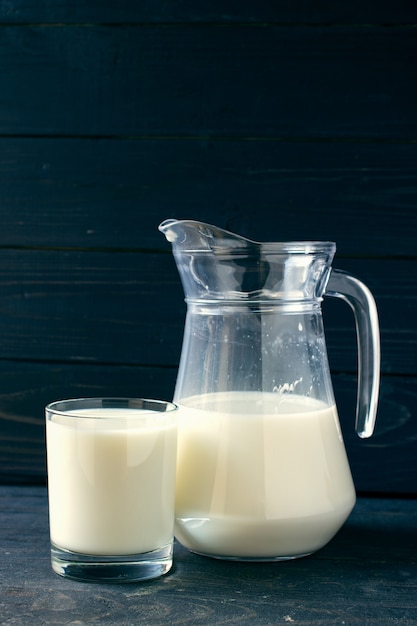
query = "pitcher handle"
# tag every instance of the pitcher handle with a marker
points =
(357, 295)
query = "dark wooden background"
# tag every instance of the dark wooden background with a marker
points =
(276, 119)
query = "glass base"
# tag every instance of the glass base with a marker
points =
(112, 569)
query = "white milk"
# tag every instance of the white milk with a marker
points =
(111, 481)
(260, 475)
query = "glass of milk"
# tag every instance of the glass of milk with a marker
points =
(111, 486)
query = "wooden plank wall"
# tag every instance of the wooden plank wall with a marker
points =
(278, 120)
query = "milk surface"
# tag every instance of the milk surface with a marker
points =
(111, 481)
(260, 475)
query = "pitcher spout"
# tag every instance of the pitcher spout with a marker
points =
(194, 236)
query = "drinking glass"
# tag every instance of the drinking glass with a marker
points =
(111, 487)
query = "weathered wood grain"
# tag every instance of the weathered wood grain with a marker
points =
(366, 575)
(128, 309)
(160, 11)
(114, 193)
(258, 80)
(276, 120)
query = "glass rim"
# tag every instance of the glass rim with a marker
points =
(71, 405)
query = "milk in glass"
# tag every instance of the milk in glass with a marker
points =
(111, 481)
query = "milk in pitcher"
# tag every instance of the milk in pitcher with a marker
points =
(260, 475)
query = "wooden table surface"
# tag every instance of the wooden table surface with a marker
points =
(366, 575)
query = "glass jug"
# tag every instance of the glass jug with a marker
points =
(262, 470)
